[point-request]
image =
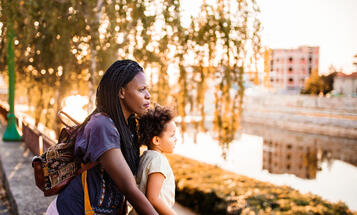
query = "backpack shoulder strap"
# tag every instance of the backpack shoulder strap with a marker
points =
(85, 167)
(61, 117)
(88, 210)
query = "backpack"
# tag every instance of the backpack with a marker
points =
(55, 168)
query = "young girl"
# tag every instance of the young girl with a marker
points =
(107, 137)
(155, 177)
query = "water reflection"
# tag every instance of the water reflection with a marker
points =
(299, 153)
(322, 165)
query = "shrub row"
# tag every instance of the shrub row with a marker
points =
(208, 189)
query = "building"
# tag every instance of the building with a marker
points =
(302, 154)
(284, 157)
(290, 68)
(345, 84)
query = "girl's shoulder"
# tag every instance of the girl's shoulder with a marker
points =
(152, 156)
(152, 161)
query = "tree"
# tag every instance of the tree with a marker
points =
(64, 46)
(320, 84)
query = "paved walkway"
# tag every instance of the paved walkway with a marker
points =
(15, 160)
(19, 183)
(4, 201)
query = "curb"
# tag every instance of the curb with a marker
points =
(13, 205)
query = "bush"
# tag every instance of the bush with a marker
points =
(207, 189)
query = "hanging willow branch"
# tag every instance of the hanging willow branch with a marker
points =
(69, 43)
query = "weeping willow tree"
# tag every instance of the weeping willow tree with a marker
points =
(64, 46)
(223, 38)
(42, 53)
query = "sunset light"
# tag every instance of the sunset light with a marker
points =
(75, 105)
(252, 107)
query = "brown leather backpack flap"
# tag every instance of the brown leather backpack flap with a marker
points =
(38, 171)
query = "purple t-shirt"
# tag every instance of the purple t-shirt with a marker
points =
(97, 137)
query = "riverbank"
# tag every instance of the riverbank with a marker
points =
(208, 189)
(333, 116)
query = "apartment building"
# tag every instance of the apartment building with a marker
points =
(290, 68)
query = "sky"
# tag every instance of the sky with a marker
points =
(329, 24)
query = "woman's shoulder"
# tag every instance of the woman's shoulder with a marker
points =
(100, 118)
(98, 136)
(100, 122)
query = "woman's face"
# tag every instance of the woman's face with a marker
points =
(135, 97)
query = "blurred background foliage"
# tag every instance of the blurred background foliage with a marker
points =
(63, 47)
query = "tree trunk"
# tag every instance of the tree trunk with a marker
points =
(93, 60)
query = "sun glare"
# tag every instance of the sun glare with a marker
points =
(74, 106)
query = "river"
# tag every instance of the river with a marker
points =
(322, 165)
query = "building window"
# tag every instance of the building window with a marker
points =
(291, 80)
(290, 69)
(271, 80)
(310, 59)
(290, 59)
(310, 70)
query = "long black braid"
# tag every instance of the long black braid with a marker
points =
(117, 76)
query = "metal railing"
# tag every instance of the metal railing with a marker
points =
(34, 139)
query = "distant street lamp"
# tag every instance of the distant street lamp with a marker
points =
(11, 133)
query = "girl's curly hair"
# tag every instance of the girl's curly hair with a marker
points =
(153, 123)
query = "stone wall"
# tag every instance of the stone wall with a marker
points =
(336, 116)
(336, 105)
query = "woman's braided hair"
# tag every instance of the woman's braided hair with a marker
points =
(117, 76)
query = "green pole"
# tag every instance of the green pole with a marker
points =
(11, 133)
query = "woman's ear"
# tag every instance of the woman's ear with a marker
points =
(122, 93)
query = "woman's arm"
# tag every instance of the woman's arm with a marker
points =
(153, 188)
(115, 165)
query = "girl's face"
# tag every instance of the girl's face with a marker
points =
(135, 97)
(167, 140)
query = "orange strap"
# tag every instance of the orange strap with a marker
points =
(88, 210)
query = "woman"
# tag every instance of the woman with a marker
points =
(108, 136)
